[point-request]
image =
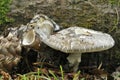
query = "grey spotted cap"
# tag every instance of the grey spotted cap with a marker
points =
(79, 40)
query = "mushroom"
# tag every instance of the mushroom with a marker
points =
(41, 19)
(44, 26)
(39, 25)
(31, 40)
(78, 40)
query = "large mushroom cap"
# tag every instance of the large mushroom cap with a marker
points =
(79, 40)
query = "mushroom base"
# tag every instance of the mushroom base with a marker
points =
(74, 59)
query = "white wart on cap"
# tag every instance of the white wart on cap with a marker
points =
(77, 40)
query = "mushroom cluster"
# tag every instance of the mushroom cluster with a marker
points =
(73, 40)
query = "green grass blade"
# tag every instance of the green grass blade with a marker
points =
(76, 76)
(53, 75)
(62, 74)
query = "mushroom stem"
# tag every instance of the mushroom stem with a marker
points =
(74, 60)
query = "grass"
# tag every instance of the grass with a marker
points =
(62, 74)
(49, 75)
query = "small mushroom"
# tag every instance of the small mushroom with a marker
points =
(78, 40)
(41, 19)
(31, 40)
(44, 26)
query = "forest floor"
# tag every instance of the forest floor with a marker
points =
(52, 64)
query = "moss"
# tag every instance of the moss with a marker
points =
(4, 9)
